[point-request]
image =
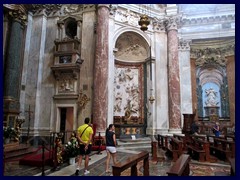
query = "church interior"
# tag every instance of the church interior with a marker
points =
(163, 74)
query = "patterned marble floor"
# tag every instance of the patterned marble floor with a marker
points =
(97, 167)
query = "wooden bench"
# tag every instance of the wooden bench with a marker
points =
(132, 162)
(180, 167)
(223, 148)
(199, 147)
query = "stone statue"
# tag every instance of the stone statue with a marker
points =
(211, 97)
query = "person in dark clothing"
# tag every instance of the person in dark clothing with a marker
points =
(194, 128)
(111, 143)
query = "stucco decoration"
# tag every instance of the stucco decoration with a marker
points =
(131, 47)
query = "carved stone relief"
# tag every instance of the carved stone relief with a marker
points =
(131, 48)
(66, 84)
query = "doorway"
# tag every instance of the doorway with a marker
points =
(66, 121)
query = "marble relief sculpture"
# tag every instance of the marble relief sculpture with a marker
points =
(211, 97)
(126, 94)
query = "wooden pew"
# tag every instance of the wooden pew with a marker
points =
(223, 148)
(132, 162)
(180, 167)
(175, 147)
(201, 147)
(181, 137)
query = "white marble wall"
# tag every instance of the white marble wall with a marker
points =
(23, 105)
(88, 55)
(161, 85)
(185, 82)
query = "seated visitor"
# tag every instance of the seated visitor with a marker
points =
(194, 128)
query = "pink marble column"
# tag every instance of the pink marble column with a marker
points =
(173, 75)
(100, 90)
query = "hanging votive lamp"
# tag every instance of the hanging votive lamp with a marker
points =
(144, 22)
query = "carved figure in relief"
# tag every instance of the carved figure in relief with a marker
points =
(129, 74)
(134, 99)
(66, 85)
(118, 102)
(211, 97)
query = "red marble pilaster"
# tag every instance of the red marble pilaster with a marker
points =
(173, 75)
(100, 91)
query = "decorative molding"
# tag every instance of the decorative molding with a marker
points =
(113, 9)
(208, 20)
(47, 8)
(128, 17)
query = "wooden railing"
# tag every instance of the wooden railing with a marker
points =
(132, 162)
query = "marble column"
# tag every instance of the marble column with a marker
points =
(173, 76)
(100, 90)
(13, 64)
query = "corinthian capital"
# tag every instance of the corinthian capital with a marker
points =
(18, 13)
(184, 44)
(172, 22)
(158, 25)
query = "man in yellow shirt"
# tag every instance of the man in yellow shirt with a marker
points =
(85, 133)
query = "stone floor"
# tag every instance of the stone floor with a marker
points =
(97, 167)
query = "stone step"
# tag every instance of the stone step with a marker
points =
(139, 143)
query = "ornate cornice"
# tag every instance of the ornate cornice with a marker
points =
(184, 44)
(208, 20)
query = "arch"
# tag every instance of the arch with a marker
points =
(131, 46)
(71, 27)
(127, 29)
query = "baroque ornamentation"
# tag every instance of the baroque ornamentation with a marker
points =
(82, 100)
(212, 55)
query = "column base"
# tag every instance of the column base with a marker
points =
(175, 131)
